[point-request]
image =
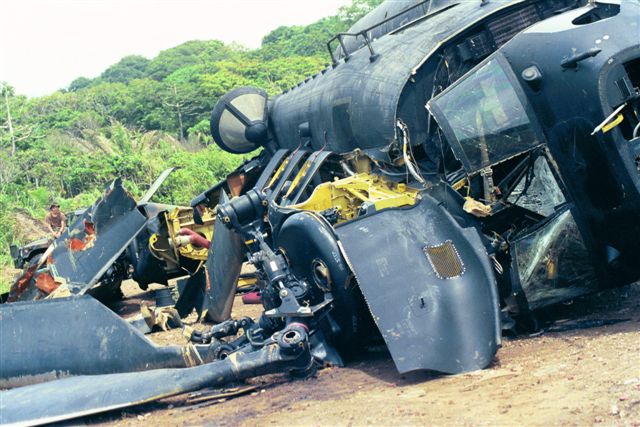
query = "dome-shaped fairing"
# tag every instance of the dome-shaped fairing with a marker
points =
(239, 120)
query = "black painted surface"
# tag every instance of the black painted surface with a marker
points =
(448, 325)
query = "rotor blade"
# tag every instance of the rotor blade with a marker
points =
(154, 187)
(85, 395)
(42, 340)
(223, 265)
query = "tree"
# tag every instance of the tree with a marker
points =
(189, 53)
(178, 104)
(80, 83)
(6, 91)
(128, 68)
(17, 132)
(356, 10)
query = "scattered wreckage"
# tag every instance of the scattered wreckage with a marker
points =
(369, 217)
(114, 239)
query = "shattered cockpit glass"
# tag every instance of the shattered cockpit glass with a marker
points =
(538, 190)
(487, 119)
(553, 262)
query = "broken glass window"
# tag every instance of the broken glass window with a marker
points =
(485, 117)
(538, 190)
(553, 262)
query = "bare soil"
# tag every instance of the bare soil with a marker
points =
(27, 227)
(580, 376)
(8, 274)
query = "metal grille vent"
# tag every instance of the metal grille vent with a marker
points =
(503, 29)
(445, 260)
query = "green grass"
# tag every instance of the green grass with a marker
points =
(4, 285)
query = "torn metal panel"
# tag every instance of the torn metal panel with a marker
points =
(192, 294)
(87, 248)
(223, 269)
(95, 241)
(49, 339)
(429, 319)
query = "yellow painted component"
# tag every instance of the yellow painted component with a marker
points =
(169, 248)
(161, 249)
(182, 217)
(606, 128)
(349, 194)
(279, 171)
(299, 176)
(153, 244)
(552, 271)
(476, 208)
(460, 184)
(247, 281)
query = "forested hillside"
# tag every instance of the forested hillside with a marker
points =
(141, 116)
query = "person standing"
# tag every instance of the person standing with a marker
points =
(56, 221)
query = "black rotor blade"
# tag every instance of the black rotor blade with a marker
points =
(223, 265)
(85, 395)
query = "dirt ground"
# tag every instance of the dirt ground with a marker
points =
(585, 375)
(28, 228)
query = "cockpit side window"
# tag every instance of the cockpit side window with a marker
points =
(484, 117)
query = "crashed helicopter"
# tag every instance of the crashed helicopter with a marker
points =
(457, 166)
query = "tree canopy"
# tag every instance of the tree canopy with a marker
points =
(143, 115)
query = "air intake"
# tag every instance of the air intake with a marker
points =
(445, 260)
(239, 120)
(503, 29)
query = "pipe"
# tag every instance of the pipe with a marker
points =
(195, 238)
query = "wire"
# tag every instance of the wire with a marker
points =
(411, 168)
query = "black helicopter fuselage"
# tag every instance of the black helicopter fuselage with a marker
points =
(448, 143)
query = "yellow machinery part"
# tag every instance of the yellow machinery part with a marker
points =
(349, 194)
(476, 208)
(168, 248)
(244, 282)
(615, 122)
(161, 249)
(460, 184)
(182, 217)
(281, 168)
(298, 178)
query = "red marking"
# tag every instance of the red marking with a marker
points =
(21, 285)
(252, 298)
(46, 283)
(89, 228)
(76, 244)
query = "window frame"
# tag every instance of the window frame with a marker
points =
(444, 124)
